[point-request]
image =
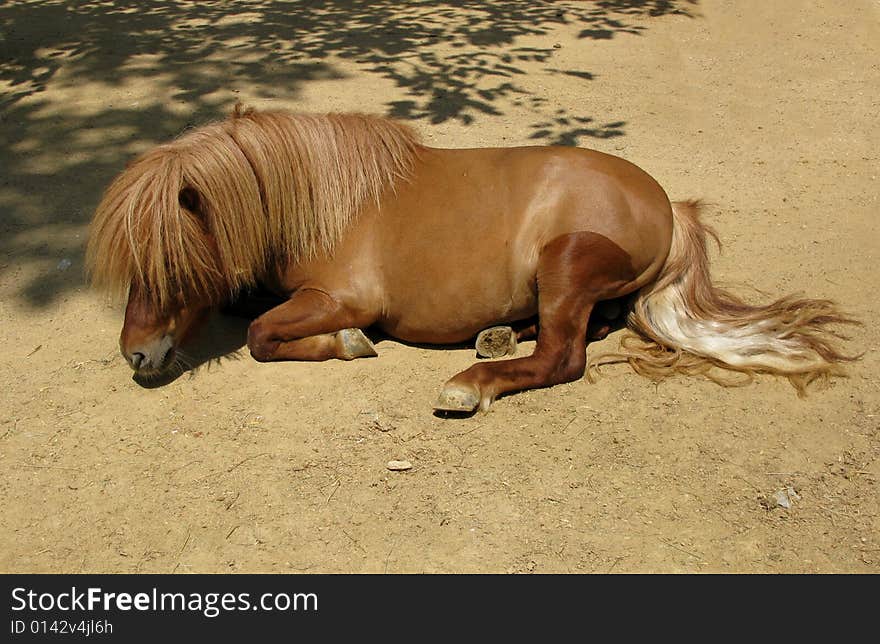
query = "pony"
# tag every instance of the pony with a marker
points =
(356, 224)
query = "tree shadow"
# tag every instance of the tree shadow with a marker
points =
(73, 108)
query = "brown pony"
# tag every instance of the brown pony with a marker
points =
(356, 224)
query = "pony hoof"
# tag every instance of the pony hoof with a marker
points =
(354, 344)
(458, 399)
(496, 342)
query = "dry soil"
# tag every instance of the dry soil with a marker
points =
(766, 109)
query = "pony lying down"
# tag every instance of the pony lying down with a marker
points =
(356, 224)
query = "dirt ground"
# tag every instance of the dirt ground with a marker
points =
(766, 109)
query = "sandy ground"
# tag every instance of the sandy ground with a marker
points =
(766, 109)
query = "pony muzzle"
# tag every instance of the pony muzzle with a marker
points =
(150, 357)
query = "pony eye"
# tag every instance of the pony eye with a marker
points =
(189, 199)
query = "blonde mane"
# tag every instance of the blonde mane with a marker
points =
(208, 213)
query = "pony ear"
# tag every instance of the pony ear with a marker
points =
(190, 200)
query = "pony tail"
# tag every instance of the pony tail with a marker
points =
(687, 325)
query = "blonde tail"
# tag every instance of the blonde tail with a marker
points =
(688, 325)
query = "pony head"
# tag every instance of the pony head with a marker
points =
(193, 221)
(181, 229)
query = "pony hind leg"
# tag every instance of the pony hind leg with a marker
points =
(499, 341)
(575, 271)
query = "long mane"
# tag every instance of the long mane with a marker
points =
(206, 214)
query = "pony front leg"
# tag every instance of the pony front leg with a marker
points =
(311, 325)
(345, 344)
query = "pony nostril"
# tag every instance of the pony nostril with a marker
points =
(136, 359)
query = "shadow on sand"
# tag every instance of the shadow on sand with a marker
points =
(74, 108)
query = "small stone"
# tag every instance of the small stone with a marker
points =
(399, 466)
(376, 423)
(64, 264)
(782, 499)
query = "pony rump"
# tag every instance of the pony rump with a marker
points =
(206, 215)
